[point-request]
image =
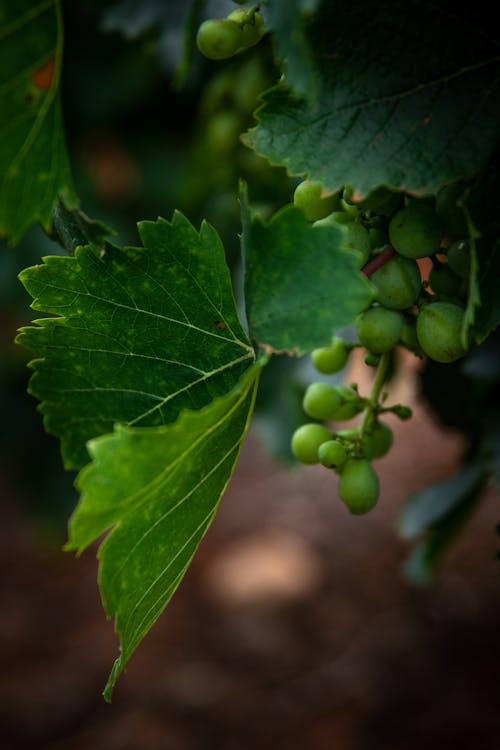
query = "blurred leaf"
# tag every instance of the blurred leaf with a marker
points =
(440, 512)
(157, 489)
(287, 21)
(405, 101)
(300, 285)
(140, 333)
(34, 165)
(424, 509)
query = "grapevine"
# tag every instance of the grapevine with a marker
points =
(368, 216)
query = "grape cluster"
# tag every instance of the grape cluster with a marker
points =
(390, 233)
(220, 38)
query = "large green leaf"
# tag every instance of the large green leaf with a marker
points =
(301, 286)
(410, 98)
(140, 333)
(34, 170)
(158, 490)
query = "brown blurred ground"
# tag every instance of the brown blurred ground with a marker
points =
(293, 628)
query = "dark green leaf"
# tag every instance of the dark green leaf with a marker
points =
(301, 286)
(34, 169)
(409, 98)
(140, 333)
(157, 489)
(440, 512)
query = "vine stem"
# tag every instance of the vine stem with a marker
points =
(379, 381)
(379, 261)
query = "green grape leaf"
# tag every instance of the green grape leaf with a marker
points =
(409, 98)
(139, 333)
(286, 22)
(156, 491)
(34, 168)
(301, 286)
(439, 512)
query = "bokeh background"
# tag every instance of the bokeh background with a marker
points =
(295, 626)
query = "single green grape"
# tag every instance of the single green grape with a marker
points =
(439, 331)
(251, 24)
(350, 404)
(382, 439)
(320, 400)
(359, 485)
(306, 441)
(459, 258)
(398, 283)
(408, 337)
(451, 214)
(218, 38)
(379, 237)
(354, 235)
(379, 329)
(313, 200)
(332, 454)
(330, 359)
(415, 231)
(444, 281)
(371, 359)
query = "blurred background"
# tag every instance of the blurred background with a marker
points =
(295, 626)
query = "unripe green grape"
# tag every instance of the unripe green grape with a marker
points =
(398, 283)
(451, 214)
(371, 359)
(439, 331)
(444, 281)
(320, 400)
(379, 329)
(218, 38)
(382, 439)
(332, 454)
(306, 441)
(252, 26)
(408, 336)
(330, 359)
(459, 258)
(415, 231)
(313, 200)
(359, 485)
(350, 404)
(381, 201)
(378, 237)
(354, 235)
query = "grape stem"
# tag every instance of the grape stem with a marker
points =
(379, 261)
(372, 404)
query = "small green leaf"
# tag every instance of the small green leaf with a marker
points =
(34, 168)
(409, 99)
(301, 286)
(140, 333)
(157, 489)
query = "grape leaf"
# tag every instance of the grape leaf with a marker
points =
(286, 21)
(301, 286)
(140, 333)
(34, 168)
(409, 98)
(439, 513)
(157, 489)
